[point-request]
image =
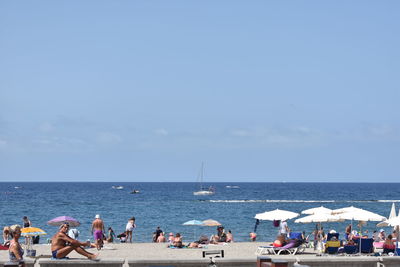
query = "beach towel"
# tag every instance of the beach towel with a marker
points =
(3, 247)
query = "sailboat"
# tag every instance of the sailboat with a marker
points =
(203, 191)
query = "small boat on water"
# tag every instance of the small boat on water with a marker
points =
(134, 192)
(203, 191)
(232, 186)
(118, 187)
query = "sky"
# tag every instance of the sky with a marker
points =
(141, 91)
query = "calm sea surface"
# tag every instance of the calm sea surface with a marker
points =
(168, 205)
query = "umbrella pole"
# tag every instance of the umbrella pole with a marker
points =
(360, 236)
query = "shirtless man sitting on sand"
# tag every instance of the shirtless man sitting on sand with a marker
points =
(60, 248)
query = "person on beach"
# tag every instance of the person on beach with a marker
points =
(98, 231)
(381, 235)
(161, 238)
(284, 228)
(7, 236)
(229, 237)
(253, 236)
(26, 223)
(178, 241)
(73, 233)
(347, 232)
(62, 244)
(389, 246)
(171, 238)
(111, 235)
(157, 234)
(280, 241)
(15, 250)
(122, 237)
(129, 229)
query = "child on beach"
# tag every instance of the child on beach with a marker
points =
(253, 236)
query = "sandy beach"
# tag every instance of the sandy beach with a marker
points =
(145, 251)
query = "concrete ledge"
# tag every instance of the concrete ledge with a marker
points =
(28, 262)
(191, 263)
(350, 261)
(81, 263)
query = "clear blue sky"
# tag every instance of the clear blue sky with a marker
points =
(146, 90)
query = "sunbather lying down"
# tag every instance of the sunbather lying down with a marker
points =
(62, 245)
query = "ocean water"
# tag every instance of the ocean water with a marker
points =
(169, 205)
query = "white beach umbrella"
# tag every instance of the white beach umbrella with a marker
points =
(319, 218)
(391, 215)
(361, 215)
(346, 209)
(395, 221)
(278, 215)
(317, 210)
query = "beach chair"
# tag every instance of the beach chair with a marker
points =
(295, 235)
(350, 249)
(330, 235)
(366, 244)
(292, 248)
(332, 246)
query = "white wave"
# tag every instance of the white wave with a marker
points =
(295, 201)
(272, 201)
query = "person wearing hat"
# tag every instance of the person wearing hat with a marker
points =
(98, 231)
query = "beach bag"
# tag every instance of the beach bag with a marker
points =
(276, 223)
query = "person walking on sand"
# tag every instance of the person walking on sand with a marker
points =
(129, 229)
(97, 231)
(60, 249)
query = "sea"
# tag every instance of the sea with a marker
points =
(169, 205)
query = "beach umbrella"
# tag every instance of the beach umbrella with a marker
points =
(32, 231)
(193, 223)
(319, 218)
(276, 215)
(346, 209)
(64, 219)
(317, 210)
(391, 215)
(211, 222)
(361, 216)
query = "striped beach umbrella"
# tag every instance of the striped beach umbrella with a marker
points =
(32, 231)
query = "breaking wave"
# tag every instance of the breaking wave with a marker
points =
(295, 201)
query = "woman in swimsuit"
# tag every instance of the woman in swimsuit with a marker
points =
(15, 250)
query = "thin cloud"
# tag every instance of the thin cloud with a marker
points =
(108, 138)
(161, 131)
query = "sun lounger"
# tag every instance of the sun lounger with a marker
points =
(366, 244)
(350, 249)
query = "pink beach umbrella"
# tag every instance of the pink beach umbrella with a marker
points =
(64, 219)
